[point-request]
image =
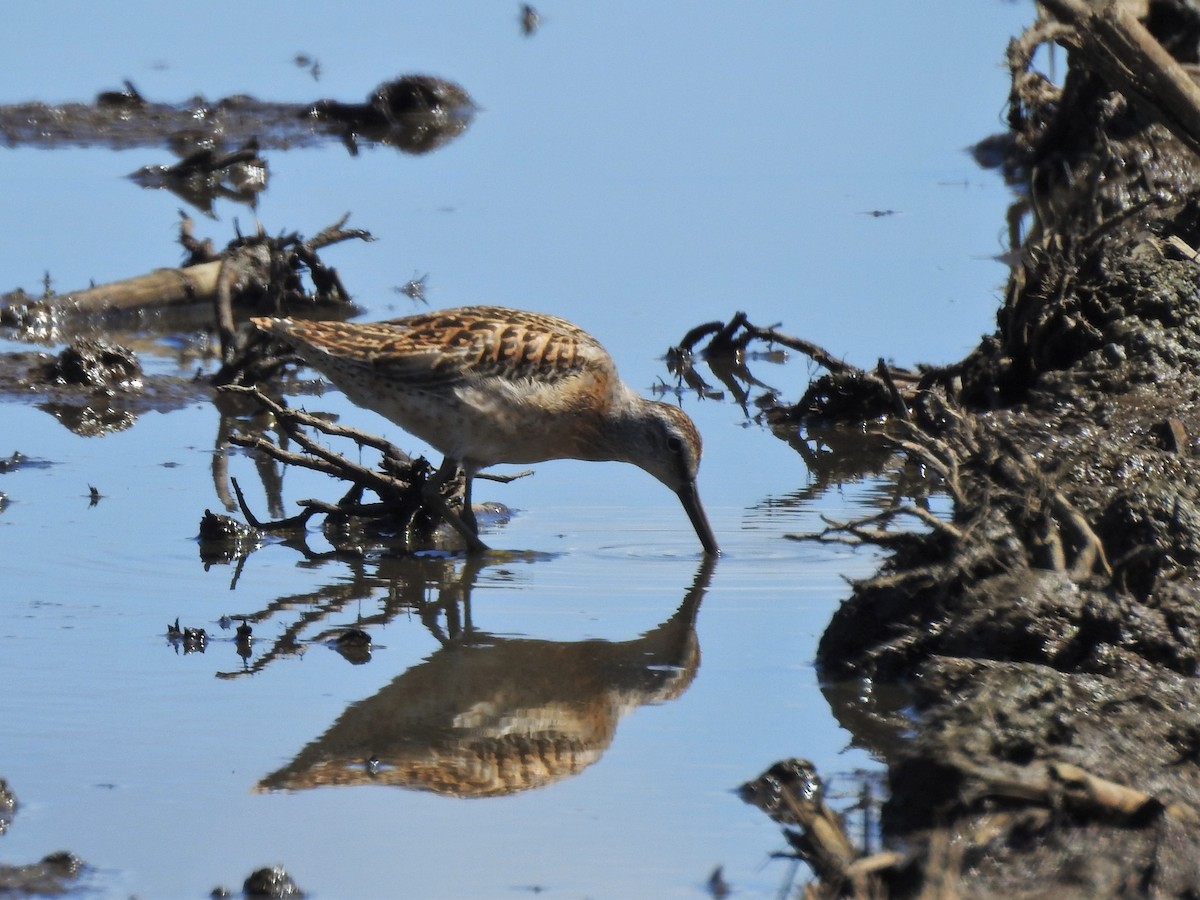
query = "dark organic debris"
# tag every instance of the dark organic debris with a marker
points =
(414, 289)
(128, 99)
(404, 513)
(223, 538)
(8, 805)
(190, 640)
(417, 113)
(258, 272)
(354, 645)
(313, 65)
(792, 794)
(57, 873)
(530, 20)
(96, 364)
(93, 387)
(718, 887)
(845, 394)
(414, 113)
(217, 527)
(272, 882)
(90, 390)
(14, 462)
(1042, 623)
(205, 174)
(96, 386)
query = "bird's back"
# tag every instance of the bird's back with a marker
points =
(449, 345)
(486, 383)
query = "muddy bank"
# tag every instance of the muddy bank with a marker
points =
(413, 113)
(1026, 665)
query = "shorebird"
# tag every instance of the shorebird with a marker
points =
(486, 385)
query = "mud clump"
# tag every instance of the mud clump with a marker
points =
(96, 364)
(54, 874)
(273, 882)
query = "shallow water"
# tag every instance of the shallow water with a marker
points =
(636, 170)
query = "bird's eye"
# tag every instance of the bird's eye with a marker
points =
(674, 444)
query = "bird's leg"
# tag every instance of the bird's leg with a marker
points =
(468, 510)
(464, 524)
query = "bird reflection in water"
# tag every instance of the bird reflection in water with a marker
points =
(486, 716)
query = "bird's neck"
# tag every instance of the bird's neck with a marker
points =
(615, 435)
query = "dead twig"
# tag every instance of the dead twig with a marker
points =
(1120, 49)
(293, 423)
(885, 375)
(1090, 554)
(336, 233)
(294, 523)
(403, 486)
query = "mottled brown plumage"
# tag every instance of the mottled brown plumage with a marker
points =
(487, 385)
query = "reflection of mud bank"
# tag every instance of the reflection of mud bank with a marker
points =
(1047, 634)
(414, 113)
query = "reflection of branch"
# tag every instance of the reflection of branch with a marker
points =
(403, 590)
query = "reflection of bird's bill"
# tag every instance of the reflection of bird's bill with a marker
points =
(691, 503)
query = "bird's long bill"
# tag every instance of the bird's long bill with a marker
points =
(691, 502)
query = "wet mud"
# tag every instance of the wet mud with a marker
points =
(1026, 666)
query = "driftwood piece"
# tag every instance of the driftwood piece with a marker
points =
(157, 289)
(257, 268)
(1120, 48)
(318, 457)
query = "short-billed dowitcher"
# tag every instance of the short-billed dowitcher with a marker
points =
(487, 385)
